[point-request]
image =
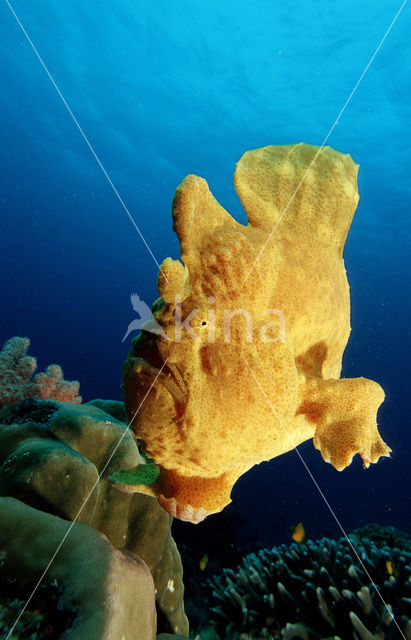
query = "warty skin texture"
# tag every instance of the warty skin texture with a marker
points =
(219, 406)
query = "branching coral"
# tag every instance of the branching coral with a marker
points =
(316, 590)
(383, 536)
(17, 381)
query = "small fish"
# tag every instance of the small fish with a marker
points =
(203, 562)
(390, 567)
(298, 533)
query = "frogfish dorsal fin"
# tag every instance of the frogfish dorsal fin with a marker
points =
(309, 192)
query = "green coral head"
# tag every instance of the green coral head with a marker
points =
(142, 474)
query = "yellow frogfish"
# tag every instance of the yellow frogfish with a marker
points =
(241, 360)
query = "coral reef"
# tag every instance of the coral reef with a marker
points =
(100, 592)
(17, 381)
(322, 589)
(383, 536)
(56, 458)
(252, 329)
(38, 618)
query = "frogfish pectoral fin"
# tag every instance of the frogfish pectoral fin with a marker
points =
(344, 413)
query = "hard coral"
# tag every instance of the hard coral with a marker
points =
(316, 590)
(17, 381)
(56, 458)
(383, 536)
(247, 363)
(103, 593)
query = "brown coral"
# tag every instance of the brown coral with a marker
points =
(56, 457)
(110, 591)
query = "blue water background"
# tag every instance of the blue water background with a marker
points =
(167, 88)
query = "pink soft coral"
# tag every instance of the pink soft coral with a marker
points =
(17, 381)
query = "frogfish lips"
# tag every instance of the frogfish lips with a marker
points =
(160, 370)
